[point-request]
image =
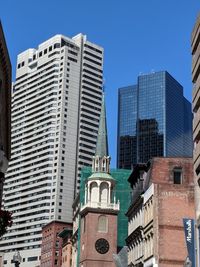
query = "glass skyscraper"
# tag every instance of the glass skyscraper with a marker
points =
(154, 119)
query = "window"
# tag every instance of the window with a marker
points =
(103, 224)
(32, 258)
(56, 45)
(177, 176)
(104, 192)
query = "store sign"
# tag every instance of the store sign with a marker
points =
(190, 239)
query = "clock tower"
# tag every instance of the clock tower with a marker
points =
(99, 211)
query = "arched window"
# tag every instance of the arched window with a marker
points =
(103, 224)
(104, 193)
(94, 192)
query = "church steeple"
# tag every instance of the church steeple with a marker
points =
(101, 160)
(102, 139)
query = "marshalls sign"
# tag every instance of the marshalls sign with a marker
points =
(190, 239)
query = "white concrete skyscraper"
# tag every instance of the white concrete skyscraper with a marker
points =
(56, 107)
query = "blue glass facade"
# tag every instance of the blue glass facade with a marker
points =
(154, 119)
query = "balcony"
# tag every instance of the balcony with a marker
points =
(196, 95)
(195, 33)
(101, 205)
(196, 125)
(196, 152)
(195, 58)
(195, 69)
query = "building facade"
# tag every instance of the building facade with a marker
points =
(5, 113)
(76, 230)
(51, 247)
(195, 43)
(56, 106)
(5, 109)
(163, 194)
(154, 119)
(66, 235)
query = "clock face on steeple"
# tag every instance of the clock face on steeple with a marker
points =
(102, 246)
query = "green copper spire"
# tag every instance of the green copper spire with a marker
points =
(102, 138)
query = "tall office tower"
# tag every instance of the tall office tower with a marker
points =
(56, 107)
(196, 122)
(5, 109)
(154, 119)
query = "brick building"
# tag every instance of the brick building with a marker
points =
(51, 248)
(66, 235)
(163, 194)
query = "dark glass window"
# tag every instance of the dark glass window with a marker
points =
(56, 45)
(33, 258)
(177, 176)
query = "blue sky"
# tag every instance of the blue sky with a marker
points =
(138, 36)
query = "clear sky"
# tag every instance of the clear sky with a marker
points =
(138, 36)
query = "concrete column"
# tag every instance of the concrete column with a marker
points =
(88, 191)
(98, 192)
(86, 196)
(109, 193)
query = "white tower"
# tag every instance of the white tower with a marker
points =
(56, 107)
(99, 212)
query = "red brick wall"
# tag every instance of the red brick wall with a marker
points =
(89, 256)
(49, 240)
(172, 204)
